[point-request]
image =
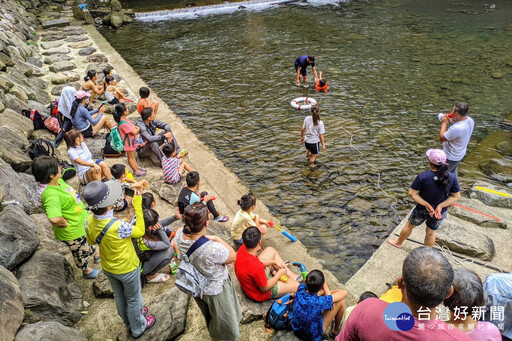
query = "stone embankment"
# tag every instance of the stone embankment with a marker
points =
(43, 292)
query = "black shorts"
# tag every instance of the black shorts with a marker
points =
(87, 132)
(314, 148)
(303, 71)
(114, 101)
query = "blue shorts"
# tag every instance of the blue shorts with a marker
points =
(314, 148)
(303, 71)
(419, 215)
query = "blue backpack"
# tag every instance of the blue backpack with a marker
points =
(279, 315)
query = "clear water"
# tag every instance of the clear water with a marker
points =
(391, 67)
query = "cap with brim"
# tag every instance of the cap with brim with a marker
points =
(81, 94)
(99, 194)
(436, 156)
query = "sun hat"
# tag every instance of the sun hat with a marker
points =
(81, 94)
(436, 156)
(98, 194)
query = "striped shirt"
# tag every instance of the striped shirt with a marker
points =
(171, 166)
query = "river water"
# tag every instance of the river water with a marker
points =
(391, 66)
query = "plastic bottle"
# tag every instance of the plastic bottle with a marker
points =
(440, 116)
(173, 266)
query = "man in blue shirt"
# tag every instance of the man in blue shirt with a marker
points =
(301, 64)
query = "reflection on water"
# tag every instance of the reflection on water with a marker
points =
(391, 67)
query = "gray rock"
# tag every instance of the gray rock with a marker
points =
(168, 192)
(6, 59)
(55, 23)
(58, 89)
(74, 30)
(251, 310)
(51, 44)
(20, 187)
(101, 287)
(18, 238)
(35, 61)
(56, 50)
(96, 144)
(24, 68)
(57, 58)
(19, 93)
(87, 51)
(46, 236)
(15, 121)
(29, 199)
(43, 109)
(49, 289)
(81, 44)
(6, 82)
(74, 39)
(11, 309)
(491, 195)
(53, 37)
(38, 72)
(44, 331)
(170, 310)
(65, 77)
(284, 335)
(14, 103)
(498, 169)
(11, 152)
(465, 210)
(98, 67)
(505, 147)
(459, 237)
(62, 66)
(97, 58)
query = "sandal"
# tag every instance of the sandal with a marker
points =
(160, 278)
(139, 173)
(145, 310)
(150, 322)
(222, 219)
(92, 275)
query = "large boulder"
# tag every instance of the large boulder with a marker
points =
(13, 149)
(458, 237)
(18, 237)
(96, 145)
(65, 77)
(14, 103)
(475, 212)
(251, 310)
(170, 310)
(45, 331)
(58, 89)
(49, 289)
(46, 236)
(492, 195)
(498, 169)
(168, 192)
(57, 58)
(56, 50)
(11, 309)
(62, 66)
(18, 186)
(116, 18)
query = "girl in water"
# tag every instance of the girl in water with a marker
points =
(312, 134)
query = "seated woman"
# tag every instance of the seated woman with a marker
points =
(66, 99)
(468, 296)
(86, 168)
(156, 248)
(89, 122)
(91, 86)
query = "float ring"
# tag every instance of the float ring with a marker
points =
(303, 103)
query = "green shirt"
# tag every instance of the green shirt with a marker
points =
(63, 201)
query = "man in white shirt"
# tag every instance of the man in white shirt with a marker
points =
(456, 138)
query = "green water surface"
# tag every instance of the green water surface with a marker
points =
(391, 67)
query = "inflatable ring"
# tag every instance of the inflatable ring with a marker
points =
(308, 102)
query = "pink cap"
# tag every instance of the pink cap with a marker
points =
(81, 94)
(436, 156)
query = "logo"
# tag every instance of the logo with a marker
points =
(398, 317)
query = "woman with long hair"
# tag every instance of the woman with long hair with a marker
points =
(89, 122)
(433, 191)
(312, 134)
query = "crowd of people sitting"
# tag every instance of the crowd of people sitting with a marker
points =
(133, 252)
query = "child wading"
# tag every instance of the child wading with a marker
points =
(312, 134)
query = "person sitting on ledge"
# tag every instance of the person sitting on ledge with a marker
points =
(91, 86)
(148, 126)
(260, 276)
(144, 103)
(425, 282)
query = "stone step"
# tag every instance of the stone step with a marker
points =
(491, 194)
(476, 212)
(55, 23)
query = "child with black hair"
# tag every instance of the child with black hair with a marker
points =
(173, 164)
(365, 295)
(113, 94)
(245, 218)
(149, 202)
(156, 248)
(119, 174)
(189, 196)
(143, 102)
(316, 307)
(321, 84)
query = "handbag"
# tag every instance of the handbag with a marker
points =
(188, 278)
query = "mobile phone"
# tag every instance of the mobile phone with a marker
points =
(129, 192)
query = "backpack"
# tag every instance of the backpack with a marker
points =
(54, 108)
(188, 278)
(41, 147)
(279, 315)
(108, 151)
(36, 117)
(52, 124)
(68, 171)
(116, 142)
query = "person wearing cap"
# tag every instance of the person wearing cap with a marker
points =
(456, 138)
(433, 191)
(301, 63)
(118, 257)
(89, 122)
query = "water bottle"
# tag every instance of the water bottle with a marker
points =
(450, 117)
(173, 266)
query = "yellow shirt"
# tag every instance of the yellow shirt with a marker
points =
(118, 255)
(241, 221)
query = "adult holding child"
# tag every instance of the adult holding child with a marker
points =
(312, 134)
(218, 303)
(66, 212)
(89, 122)
(433, 191)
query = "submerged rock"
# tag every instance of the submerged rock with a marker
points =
(11, 309)
(55, 331)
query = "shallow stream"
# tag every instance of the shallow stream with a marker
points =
(391, 67)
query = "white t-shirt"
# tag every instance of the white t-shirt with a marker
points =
(312, 131)
(81, 153)
(458, 136)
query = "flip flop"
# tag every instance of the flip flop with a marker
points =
(222, 219)
(92, 275)
(391, 242)
(158, 279)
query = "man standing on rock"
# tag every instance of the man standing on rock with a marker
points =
(456, 138)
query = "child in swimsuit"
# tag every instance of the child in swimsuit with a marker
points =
(321, 84)
(143, 102)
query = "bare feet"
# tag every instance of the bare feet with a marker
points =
(394, 243)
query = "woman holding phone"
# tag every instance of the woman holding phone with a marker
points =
(89, 122)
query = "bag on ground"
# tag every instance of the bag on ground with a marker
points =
(52, 124)
(108, 151)
(68, 171)
(41, 147)
(36, 117)
(279, 314)
(54, 108)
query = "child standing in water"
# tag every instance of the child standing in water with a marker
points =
(245, 218)
(312, 134)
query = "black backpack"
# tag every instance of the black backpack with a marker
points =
(36, 117)
(41, 147)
